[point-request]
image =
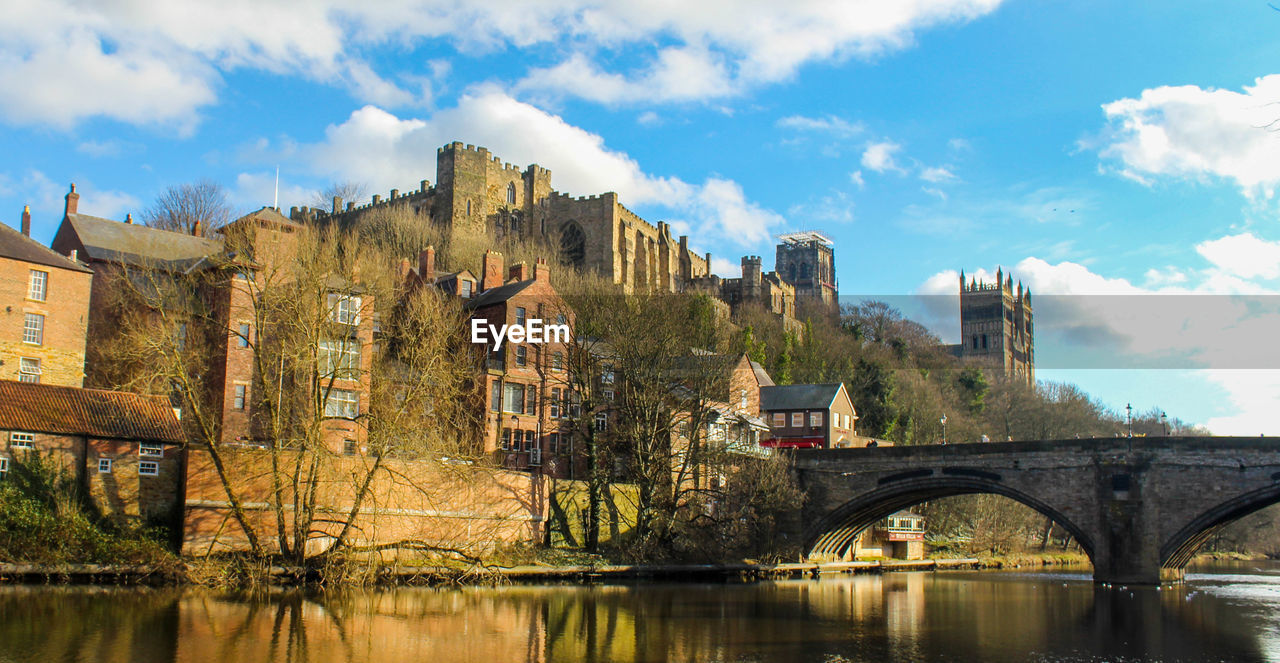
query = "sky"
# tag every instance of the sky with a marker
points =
(1120, 159)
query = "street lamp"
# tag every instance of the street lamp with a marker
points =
(1164, 425)
(1128, 409)
(943, 420)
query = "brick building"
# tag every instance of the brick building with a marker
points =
(45, 301)
(125, 450)
(809, 416)
(526, 383)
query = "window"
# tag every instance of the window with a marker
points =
(513, 398)
(148, 468)
(555, 402)
(553, 443)
(342, 403)
(506, 439)
(33, 329)
(846, 421)
(557, 361)
(37, 285)
(815, 419)
(984, 341)
(151, 450)
(797, 419)
(562, 319)
(511, 193)
(19, 440)
(607, 394)
(344, 309)
(339, 359)
(349, 447)
(779, 420)
(531, 407)
(521, 315)
(242, 337)
(4, 466)
(530, 440)
(464, 288)
(495, 396)
(575, 405)
(28, 369)
(975, 341)
(242, 394)
(606, 374)
(602, 420)
(522, 355)
(104, 466)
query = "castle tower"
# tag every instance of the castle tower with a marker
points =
(807, 261)
(751, 277)
(995, 325)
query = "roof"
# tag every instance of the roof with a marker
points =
(799, 396)
(499, 294)
(17, 246)
(43, 408)
(113, 241)
(762, 376)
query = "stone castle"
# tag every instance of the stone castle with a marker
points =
(995, 325)
(476, 191)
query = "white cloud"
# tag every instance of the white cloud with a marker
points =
(879, 156)
(1192, 132)
(856, 178)
(835, 207)
(936, 174)
(386, 151)
(828, 124)
(1252, 395)
(648, 119)
(160, 61)
(1244, 256)
(725, 268)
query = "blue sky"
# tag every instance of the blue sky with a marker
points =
(1097, 148)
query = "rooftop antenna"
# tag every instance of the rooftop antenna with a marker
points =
(275, 204)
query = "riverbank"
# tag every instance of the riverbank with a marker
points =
(528, 573)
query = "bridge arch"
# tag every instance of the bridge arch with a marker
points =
(1178, 550)
(833, 534)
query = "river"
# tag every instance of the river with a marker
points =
(1222, 613)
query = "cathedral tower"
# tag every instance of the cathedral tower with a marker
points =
(995, 325)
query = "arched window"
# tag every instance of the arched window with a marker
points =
(573, 244)
(511, 193)
(804, 270)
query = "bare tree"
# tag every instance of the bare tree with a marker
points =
(346, 191)
(193, 208)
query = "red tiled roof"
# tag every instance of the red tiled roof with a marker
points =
(43, 408)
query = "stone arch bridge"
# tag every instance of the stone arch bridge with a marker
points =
(1140, 507)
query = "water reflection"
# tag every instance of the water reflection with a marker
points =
(895, 617)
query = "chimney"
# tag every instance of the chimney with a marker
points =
(492, 276)
(128, 218)
(541, 272)
(518, 272)
(73, 201)
(337, 204)
(73, 255)
(197, 229)
(26, 220)
(427, 263)
(403, 271)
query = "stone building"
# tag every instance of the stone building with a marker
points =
(125, 450)
(44, 297)
(807, 261)
(476, 191)
(769, 290)
(995, 325)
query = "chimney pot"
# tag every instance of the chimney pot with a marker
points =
(26, 220)
(427, 263)
(128, 218)
(492, 276)
(73, 201)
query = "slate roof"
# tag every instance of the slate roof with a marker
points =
(762, 376)
(43, 408)
(17, 246)
(798, 397)
(498, 295)
(131, 243)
